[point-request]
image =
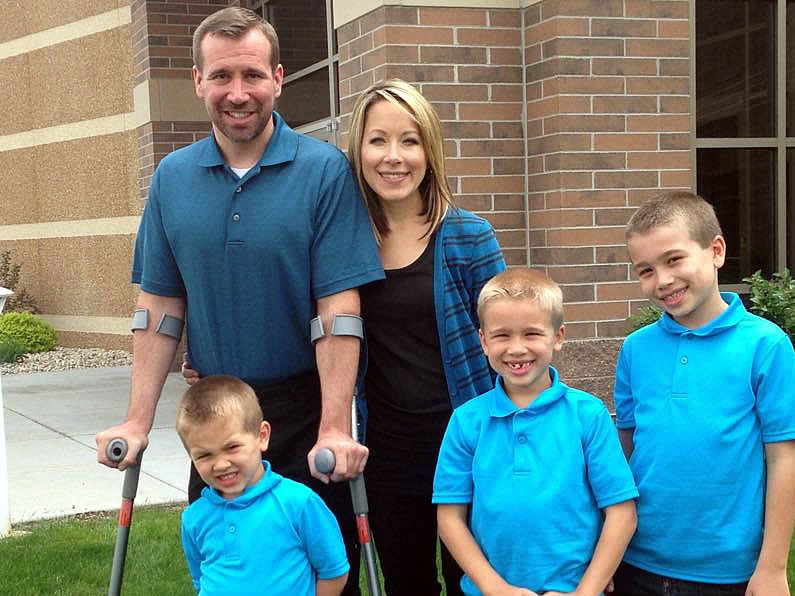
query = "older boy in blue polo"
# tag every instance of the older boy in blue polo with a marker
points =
(537, 461)
(252, 531)
(705, 403)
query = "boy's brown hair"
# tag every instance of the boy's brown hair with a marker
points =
(215, 397)
(523, 282)
(234, 22)
(693, 211)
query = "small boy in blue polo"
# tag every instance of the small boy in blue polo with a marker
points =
(538, 462)
(705, 404)
(251, 532)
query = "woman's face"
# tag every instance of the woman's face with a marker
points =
(392, 155)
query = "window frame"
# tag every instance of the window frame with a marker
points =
(780, 142)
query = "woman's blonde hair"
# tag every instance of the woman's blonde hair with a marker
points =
(434, 190)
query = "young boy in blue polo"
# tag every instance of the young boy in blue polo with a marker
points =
(538, 463)
(251, 532)
(705, 403)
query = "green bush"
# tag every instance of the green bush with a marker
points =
(645, 316)
(33, 333)
(11, 350)
(774, 299)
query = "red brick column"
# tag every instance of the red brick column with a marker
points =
(468, 63)
(608, 124)
(162, 40)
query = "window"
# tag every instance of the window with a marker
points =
(308, 44)
(745, 129)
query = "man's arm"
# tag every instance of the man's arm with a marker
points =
(770, 575)
(331, 587)
(337, 363)
(455, 533)
(153, 354)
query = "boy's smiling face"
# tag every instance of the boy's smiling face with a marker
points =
(519, 340)
(227, 457)
(677, 274)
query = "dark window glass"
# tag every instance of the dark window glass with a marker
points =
(740, 183)
(791, 68)
(301, 26)
(306, 99)
(735, 68)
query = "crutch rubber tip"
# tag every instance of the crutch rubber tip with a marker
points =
(325, 461)
(116, 450)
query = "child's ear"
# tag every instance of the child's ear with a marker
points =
(718, 247)
(264, 435)
(483, 341)
(559, 335)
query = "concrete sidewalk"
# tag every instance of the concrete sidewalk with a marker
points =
(51, 420)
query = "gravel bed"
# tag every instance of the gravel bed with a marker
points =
(67, 358)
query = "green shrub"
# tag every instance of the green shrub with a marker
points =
(774, 299)
(32, 332)
(645, 316)
(11, 350)
(21, 301)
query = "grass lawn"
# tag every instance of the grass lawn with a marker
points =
(72, 556)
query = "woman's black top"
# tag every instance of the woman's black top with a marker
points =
(405, 387)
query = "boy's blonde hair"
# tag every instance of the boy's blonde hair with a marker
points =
(523, 282)
(434, 190)
(694, 212)
(234, 22)
(215, 397)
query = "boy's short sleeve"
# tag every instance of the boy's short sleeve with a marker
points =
(622, 393)
(608, 471)
(192, 555)
(452, 482)
(323, 539)
(775, 392)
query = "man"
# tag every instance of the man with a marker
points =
(250, 232)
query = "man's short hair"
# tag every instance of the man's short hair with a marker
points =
(217, 397)
(523, 282)
(234, 22)
(694, 212)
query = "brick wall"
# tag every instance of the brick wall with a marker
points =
(467, 62)
(608, 125)
(162, 40)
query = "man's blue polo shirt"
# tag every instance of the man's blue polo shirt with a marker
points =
(702, 403)
(276, 538)
(536, 478)
(253, 254)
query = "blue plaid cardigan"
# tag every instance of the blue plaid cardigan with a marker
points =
(466, 256)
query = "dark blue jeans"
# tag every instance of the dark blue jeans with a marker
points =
(631, 581)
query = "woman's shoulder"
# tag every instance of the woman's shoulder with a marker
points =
(457, 216)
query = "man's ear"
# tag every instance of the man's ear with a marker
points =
(718, 247)
(197, 81)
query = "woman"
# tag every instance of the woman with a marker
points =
(423, 350)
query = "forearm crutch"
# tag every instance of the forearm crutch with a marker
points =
(116, 450)
(325, 462)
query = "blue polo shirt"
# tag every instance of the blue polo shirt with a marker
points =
(276, 538)
(537, 478)
(253, 254)
(702, 403)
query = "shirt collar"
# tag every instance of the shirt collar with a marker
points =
(281, 148)
(251, 493)
(500, 405)
(731, 316)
